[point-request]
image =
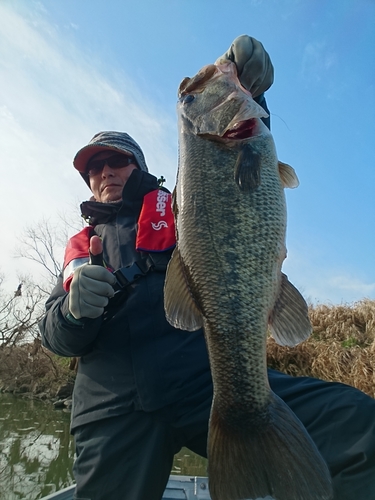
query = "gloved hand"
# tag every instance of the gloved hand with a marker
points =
(90, 290)
(255, 70)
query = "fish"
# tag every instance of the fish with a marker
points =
(225, 276)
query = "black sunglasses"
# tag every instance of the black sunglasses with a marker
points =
(94, 167)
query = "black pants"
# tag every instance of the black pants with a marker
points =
(129, 457)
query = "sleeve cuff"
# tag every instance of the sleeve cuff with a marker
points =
(73, 321)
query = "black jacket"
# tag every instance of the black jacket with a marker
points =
(134, 360)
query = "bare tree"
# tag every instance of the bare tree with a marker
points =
(20, 313)
(21, 310)
(44, 243)
(24, 363)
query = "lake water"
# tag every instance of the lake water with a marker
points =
(37, 451)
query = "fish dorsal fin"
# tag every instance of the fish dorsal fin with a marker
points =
(288, 175)
(181, 310)
(247, 169)
(289, 320)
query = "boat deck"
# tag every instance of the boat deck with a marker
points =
(178, 488)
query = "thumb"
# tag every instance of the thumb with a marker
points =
(96, 251)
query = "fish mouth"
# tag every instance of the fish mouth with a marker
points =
(242, 130)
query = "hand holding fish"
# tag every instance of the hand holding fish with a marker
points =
(254, 66)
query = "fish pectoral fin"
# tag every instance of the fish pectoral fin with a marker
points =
(247, 169)
(288, 175)
(289, 321)
(181, 310)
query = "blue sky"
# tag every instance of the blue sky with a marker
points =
(70, 68)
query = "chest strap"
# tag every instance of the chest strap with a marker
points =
(128, 275)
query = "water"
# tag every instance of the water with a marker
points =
(37, 451)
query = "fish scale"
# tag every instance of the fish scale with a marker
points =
(225, 276)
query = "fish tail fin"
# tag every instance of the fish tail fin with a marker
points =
(250, 460)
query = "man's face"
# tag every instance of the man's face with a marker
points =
(107, 183)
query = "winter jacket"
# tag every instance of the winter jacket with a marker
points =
(130, 358)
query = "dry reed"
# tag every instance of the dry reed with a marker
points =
(341, 347)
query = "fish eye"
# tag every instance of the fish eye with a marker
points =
(185, 99)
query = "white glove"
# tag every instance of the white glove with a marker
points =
(90, 290)
(255, 70)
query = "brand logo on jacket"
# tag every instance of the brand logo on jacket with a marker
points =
(159, 225)
(156, 229)
(161, 202)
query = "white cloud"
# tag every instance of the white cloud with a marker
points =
(319, 284)
(53, 100)
(317, 60)
(352, 284)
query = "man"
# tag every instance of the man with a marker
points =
(143, 389)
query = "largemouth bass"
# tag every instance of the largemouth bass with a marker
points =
(225, 276)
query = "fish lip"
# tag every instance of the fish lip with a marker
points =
(244, 129)
(247, 113)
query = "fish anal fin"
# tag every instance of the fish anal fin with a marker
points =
(273, 457)
(247, 169)
(288, 175)
(289, 321)
(181, 310)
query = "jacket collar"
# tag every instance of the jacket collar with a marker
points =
(138, 185)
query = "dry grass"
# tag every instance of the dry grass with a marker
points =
(31, 369)
(341, 347)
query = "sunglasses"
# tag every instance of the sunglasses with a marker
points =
(94, 167)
